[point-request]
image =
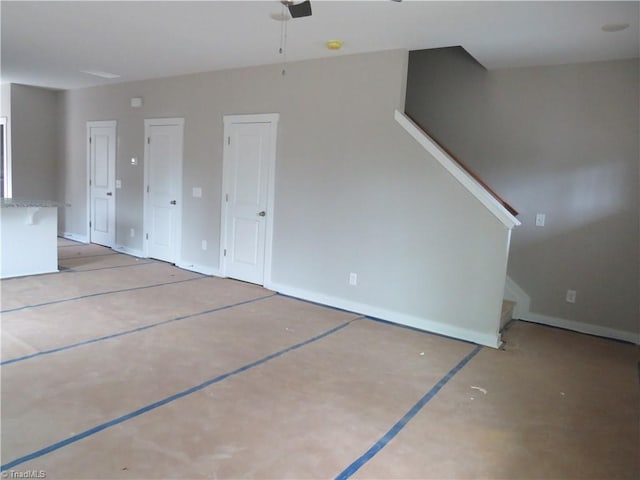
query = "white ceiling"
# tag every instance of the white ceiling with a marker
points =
(49, 43)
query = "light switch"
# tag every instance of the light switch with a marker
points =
(197, 192)
(118, 183)
(540, 218)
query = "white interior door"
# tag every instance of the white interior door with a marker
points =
(102, 172)
(249, 160)
(163, 192)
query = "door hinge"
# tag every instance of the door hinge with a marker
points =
(147, 188)
(89, 224)
(148, 140)
(225, 253)
(146, 236)
(90, 183)
(89, 139)
(228, 140)
(226, 197)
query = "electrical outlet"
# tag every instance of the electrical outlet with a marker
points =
(196, 192)
(571, 296)
(132, 233)
(118, 183)
(204, 244)
(540, 219)
(353, 279)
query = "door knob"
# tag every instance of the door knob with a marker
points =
(262, 213)
(109, 194)
(172, 202)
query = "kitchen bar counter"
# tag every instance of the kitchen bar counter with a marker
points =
(28, 237)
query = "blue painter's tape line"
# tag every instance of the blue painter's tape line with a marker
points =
(380, 444)
(164, 401)
(374, 319)
(408, 327)
(89, 256)
(128, 332)
(100, 293)
(73, 270)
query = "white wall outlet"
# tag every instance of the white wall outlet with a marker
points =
(571, 296)
(132, 232)
(353, 279)
(204, 244)
(540, 219)
(134, 161)
(196, 192)
(118, 183)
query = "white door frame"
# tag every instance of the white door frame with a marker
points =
(272, 119)
(177, 247)
(90, 125)
(6, 147)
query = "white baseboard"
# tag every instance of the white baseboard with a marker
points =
(581, 327)
(513, 292)
(431, 326)
(74, 236)
(129, 251)
(199, 269)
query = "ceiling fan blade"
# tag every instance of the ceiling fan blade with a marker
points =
(298, 10)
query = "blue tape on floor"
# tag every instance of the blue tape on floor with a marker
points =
(164, 401)
(53, 302)
(416, 329)
(128, 332)
(73, 270)
(380, 444)
(89, 256)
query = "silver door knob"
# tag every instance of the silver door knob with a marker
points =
(109, 194)
(262, 213)
(172, 202)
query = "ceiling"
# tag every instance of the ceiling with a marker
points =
(49, 44)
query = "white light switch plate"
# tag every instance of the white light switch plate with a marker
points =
(197, 192)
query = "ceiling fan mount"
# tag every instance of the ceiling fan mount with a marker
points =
(298, 8)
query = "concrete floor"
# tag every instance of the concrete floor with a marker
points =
(119, 367)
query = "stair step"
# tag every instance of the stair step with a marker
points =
(507, 312)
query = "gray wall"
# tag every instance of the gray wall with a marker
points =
(353, 192)
(559, 140)
(34, 142)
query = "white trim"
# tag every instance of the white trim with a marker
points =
(513, 292)
(581, 327)
(214, 272)
(134, 252)
(489, 340)
(272, 119)
(89, 125)
(76, 237)
(148, 122)
(470, 183)
(6, 146)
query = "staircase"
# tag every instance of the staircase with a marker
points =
(507, 312)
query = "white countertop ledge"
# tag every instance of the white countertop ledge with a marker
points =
(27, 203)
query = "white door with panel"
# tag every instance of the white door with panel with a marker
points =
(102, 171)
(249, 162)
(163, 188)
